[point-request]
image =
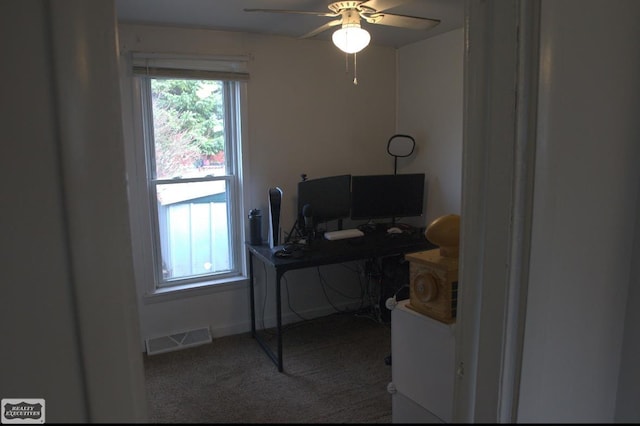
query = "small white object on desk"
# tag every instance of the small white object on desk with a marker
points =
(342, 234)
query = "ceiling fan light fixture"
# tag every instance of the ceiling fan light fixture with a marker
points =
(351, 38)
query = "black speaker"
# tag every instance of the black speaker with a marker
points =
(275, 201)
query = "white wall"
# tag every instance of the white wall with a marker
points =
(68, 319)
(430, 105)
(34, 257)
(585, 210)
(305, 115)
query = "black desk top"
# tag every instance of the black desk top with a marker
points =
(325, 252)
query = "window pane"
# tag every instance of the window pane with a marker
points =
(189, 128)
(190, 148)
(193, 228)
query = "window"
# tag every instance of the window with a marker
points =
(191, 130)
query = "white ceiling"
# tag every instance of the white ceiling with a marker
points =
(228, 15)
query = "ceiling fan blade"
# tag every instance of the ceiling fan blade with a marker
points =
(322, 28)
(298, 12)
(380, 5)
(402, 21)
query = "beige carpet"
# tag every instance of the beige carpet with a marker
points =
(334, 372)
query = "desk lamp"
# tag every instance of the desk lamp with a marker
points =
(400, 146)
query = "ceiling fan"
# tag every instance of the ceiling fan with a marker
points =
(351, 37)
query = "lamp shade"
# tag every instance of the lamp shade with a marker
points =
(351, 38)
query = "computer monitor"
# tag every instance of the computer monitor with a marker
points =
(387, 196)
(327, 198)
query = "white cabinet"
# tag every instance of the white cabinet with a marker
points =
(422, 367)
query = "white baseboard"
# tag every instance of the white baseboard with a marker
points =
(170, 342)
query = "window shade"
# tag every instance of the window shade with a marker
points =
(177, 66)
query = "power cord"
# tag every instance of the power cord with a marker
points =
(324, 284)
(364, 294)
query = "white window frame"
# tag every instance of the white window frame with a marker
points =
(231, 71)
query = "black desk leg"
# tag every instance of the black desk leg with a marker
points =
(252, 296)
(277, 359)
(279, 320)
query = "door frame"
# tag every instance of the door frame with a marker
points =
(500, 106)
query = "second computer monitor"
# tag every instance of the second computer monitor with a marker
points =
(387, 196)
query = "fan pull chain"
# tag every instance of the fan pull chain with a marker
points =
(355, 69)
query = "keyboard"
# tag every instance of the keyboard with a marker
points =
(342, 234)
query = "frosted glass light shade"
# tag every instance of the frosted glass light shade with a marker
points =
(351, 38)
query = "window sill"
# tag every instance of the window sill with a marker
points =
(197, 289)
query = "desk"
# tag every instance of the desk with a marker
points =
(324, 252)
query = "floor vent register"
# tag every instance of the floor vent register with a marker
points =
(177, 341)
